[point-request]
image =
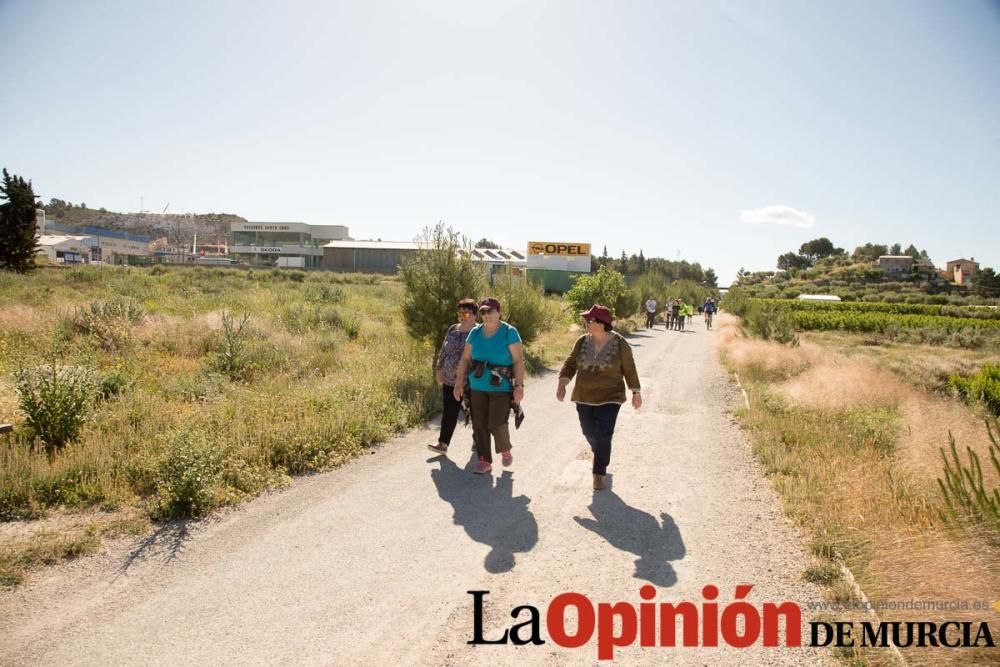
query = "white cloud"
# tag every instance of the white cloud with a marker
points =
(777, 215)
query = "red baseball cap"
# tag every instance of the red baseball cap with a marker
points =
(599, 313)
(489, 303)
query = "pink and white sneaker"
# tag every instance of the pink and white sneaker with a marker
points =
(507, 458)
(482, 467)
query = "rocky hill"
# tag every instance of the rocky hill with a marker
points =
(208, 226)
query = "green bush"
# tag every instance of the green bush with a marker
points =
(984, 386)
(56, 401)
(736, 301)
(436, 279)
(187, 473)
(351, 326)
(604, 287)
(770, 323)
(628, 304)
(523, 305)
(115, 382)
(323, 293)
(111, 322)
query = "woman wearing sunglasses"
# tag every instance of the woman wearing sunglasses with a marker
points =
(602, 362)
(494, 361)
(447, 369)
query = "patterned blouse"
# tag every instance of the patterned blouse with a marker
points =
(451, 353)
(601, 374)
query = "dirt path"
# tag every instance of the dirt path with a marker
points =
(370, 564)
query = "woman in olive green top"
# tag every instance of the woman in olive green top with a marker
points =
(602, 362)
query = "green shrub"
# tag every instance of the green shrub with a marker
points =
(523, 305)
(436, 279)
(984, 386)
(770, 323)
(628, 304)
(115, 382)
(323, 293)
(56, 401)
(736, 301)
(351, 325)
(111, 322)
(187, 472)
(604, 287)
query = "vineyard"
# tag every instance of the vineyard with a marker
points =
(882, 317)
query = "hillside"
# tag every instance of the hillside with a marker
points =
(208, 226)
(856, 277)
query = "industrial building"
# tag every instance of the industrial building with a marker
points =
(367, 256)
(108, 246)
(297, 244)
(68, 249)
(386, 256)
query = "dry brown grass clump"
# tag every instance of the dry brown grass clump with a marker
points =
(25, 319)
(853, 448)
(840, 383)
(760, 360)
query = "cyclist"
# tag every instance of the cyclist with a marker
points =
(710, 309)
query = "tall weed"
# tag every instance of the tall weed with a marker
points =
(965, 494)
(56, 401)
(233, 359)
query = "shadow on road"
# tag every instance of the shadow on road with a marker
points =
(490, 514)
(635, 531)
(166, 542)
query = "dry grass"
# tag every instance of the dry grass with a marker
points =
(759, 360)
(26, 545)
(835, 383)
(326, 370)
(853, 448)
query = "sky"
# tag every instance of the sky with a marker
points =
(725, 133)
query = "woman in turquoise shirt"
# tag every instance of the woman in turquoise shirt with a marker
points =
(493, 359)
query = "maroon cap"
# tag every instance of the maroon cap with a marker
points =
(599, 313)
(489, 303)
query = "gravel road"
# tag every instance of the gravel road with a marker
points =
(371, 563)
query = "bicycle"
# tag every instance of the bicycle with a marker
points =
(708, 320)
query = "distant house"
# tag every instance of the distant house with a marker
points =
(895, 263)
(961, 271)
(819, 297)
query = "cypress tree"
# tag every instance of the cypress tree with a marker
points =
(18, 244)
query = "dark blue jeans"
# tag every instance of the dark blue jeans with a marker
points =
(598, 424)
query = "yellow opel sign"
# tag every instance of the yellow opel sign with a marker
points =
(558, 248)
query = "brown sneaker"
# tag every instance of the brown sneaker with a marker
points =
(598, 482)
(440, 448)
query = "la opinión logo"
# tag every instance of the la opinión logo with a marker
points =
(706, 623)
